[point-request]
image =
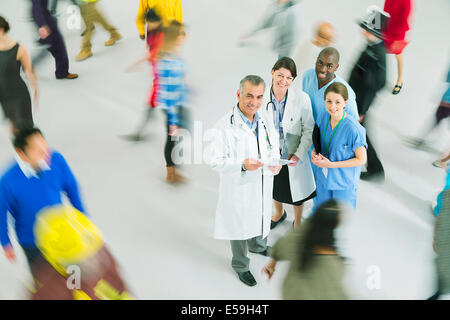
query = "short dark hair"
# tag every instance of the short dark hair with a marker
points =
(338, 88)
(21, 139)
(4, 24)
(287, 63)
(330, 51)
(152, 16)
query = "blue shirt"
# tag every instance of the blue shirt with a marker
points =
(310, 85)
(171, 87)
(349, 136)
(278, 112)
(438, 207)
(446, 97)
(24, 197)
(252, 125)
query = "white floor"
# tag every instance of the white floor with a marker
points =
(162, 235)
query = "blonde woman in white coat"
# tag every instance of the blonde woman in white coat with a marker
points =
(291, 114)
(239, 145)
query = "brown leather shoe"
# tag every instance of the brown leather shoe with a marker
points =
(179, 178)
(113, 39)
(69, 76)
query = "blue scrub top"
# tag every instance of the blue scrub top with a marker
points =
(349, 136)
(310, 85)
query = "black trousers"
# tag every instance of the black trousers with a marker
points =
(58, 50)
(374, 165)
(54, 3)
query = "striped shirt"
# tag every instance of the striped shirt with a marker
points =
(171, 89)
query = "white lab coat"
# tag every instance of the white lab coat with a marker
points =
(298, 120)
(244, 208)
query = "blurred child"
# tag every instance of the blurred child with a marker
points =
(172, 92)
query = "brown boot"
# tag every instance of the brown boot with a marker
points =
(83, 55)
(112, 40)
(178, 177)
(170, 176)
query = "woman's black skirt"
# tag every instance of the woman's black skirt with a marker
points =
(282, 189)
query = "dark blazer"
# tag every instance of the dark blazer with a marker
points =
(368, 75)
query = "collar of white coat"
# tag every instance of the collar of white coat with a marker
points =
(287, 106)
(241, 123)
(28, 170)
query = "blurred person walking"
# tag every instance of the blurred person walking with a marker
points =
(14, 96)
(172, 93)
(51, 36)
(243, 138)
(442, 113)
(396, 33)
(292, 117)
(53, 5)
(35, 181)
(441, 243)
(316, 80)
(69, 241)
(316, 269)
(367, 78)
(92, 15)
(306, 53)
(341, 152)
(155, 40)
(281, 16)
(168, 10)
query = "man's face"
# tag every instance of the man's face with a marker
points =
(250, 99)
(326, 66)
(36, 151)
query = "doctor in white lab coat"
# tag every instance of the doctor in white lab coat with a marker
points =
(242, 142)
(291, 113)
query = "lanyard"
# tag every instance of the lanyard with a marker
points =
(280, 116)
(327, 151)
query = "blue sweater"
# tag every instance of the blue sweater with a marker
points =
(25, 197)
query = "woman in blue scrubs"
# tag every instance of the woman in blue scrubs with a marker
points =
(343, 149)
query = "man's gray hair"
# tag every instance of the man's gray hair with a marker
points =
(253, 79)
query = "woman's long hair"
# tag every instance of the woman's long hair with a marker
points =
(320, 231)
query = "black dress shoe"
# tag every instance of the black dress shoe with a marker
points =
(264, 253)
(247, 278)
(273, 224)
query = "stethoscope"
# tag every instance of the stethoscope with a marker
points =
(262, 122)
(273, 104)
